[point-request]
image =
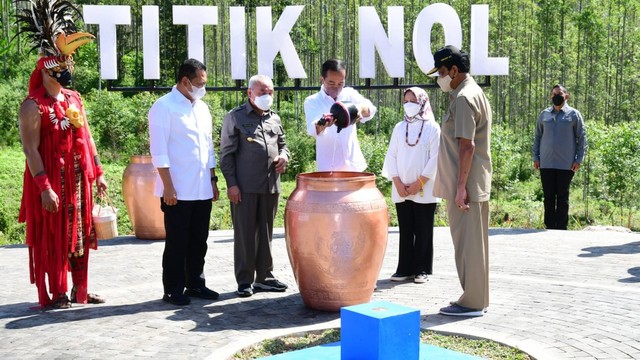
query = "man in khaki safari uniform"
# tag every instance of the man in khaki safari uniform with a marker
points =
(464, 178)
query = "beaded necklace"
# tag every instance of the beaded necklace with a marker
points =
(406, 134)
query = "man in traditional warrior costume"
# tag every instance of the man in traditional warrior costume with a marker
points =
(61, 159)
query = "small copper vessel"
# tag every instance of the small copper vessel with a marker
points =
(336, 227)
(143, 206)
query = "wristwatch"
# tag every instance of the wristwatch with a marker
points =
(214, 178)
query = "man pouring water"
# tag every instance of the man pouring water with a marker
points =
(336, 150)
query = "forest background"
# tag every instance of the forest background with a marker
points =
(592, 47)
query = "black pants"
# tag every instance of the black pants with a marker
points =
(416, 237)
(555, 186)
(187, 227)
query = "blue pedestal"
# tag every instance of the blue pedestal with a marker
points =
(380, 331)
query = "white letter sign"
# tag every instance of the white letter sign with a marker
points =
(107, 17)
(151, 42)
(481, 63)
(390, 49)
(237, 24)
(195, 17)
(270, 42)
(435, 13)
(272, 39)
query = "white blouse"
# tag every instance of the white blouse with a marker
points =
(409, 162)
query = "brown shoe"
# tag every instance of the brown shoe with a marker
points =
(91, 298)
(62, 302)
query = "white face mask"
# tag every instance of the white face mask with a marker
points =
(411, 109)
(197, 93)
(263, 102)
(445, 83)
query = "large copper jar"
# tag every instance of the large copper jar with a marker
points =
(138, 181)
(336, 226)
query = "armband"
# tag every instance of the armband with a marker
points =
(42, 182)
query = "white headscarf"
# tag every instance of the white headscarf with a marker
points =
(425, 113)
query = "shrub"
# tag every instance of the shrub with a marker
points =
(11, 170)
(119, 124)
(612, 167)
(12, 93)
(511, 158)
(302, 154)
(374, 149)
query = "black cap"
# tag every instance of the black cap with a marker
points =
(448, 55)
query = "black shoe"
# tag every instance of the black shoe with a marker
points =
(177, 299)
(459, 310)
(245, 290)
(203, 293)
(270, 285)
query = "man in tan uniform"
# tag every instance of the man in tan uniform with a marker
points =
(464, 178)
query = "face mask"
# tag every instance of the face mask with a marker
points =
(63, 78)
(557, 99)
(197, 93)
(445, 83)
(263, 102)
(411, 109)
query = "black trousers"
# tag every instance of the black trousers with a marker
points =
(187, 227)
(416, 237)
(555, 186)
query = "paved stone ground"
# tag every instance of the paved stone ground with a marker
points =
(556, 295)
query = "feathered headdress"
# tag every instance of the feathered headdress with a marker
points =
(50, 27)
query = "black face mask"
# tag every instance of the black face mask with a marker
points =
(557, 99)
(63, 78)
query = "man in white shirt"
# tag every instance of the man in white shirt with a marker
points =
(336, 151)
(181, 143)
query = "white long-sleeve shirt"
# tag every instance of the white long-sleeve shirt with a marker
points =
(181, 140)
(409, 162)
(336, 151)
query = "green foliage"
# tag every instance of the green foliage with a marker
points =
(113, 175)
(612, 163)
(86, 76)
(119, 124)
(303, 155)
(217, 114)
(511, 158)
(12, 93)
(11, 170)
(374, 149)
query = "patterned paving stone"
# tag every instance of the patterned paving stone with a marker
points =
(556, 295)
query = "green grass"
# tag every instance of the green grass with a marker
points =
(486, 349)
(11, 173)
(519, 207)
(11, 170)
